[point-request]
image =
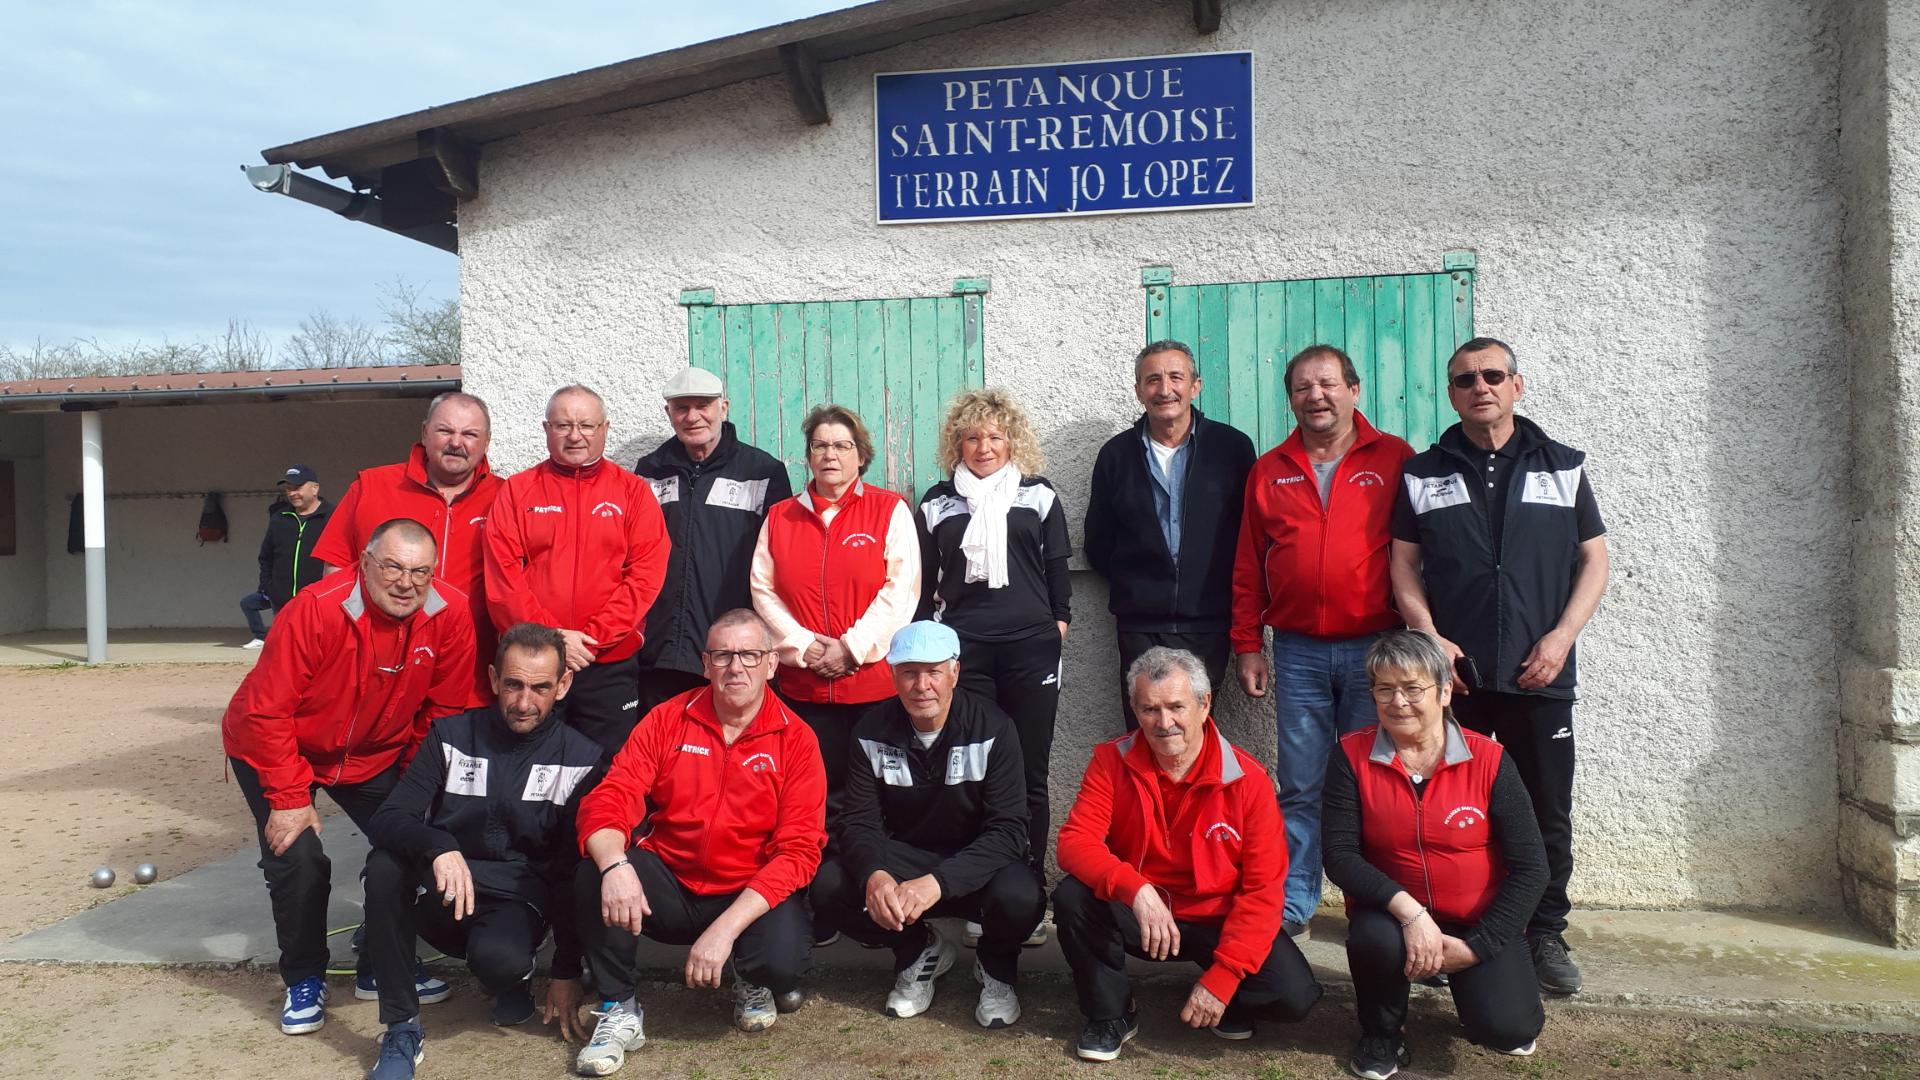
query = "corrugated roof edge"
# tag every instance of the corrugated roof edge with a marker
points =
(414, 378)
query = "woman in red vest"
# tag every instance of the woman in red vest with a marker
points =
(1429, 832)
(836, 572)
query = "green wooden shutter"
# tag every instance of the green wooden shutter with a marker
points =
(895, 362)
(1399, 329)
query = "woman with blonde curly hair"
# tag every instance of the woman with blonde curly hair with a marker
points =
(994, 550)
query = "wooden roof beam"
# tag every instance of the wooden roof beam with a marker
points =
(802, 69)
(1206, 15)
(458, 162)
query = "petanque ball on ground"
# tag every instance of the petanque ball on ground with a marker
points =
(145, 873)
(103, 878)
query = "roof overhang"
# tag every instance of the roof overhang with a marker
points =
(235, 387)
(421, 165)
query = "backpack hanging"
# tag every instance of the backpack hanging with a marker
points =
(213, 520)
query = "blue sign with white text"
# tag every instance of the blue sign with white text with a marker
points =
(1042, 140)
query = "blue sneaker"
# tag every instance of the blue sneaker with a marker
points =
(401, 1048)
(430, 990)
(306, 1006)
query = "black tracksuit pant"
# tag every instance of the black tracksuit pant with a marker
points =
(1498, 999)
(832, 723)
(1022, 677)
(300, 880)
(1007, 908)
(603, 703)
(1214, 651)
(1537, 733)
(1097, 936)
(498, 940)
(775, 952)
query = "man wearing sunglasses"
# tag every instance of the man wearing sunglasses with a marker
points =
(578, 543)
(1499, 550)
(730, 785)
(357, 668)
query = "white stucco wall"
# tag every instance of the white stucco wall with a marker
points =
(158, 574)
(23, 580)
(1658, 239)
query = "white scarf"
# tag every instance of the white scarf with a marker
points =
(985, 541)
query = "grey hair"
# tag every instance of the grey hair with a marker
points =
(576, 388)
(1167, 345)
(1482, 344)
(741, 616)
(460, 397)
(1409, 650)
(1157, 663)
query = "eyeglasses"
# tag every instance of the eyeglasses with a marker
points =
(390, 572)
(1492, 377)
(567, 428)
(723, 658)
(1387, 695)
(817, 447)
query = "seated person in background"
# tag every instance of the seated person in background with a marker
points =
(935, 823)
(484, 819)
(1476, 855)
(730, 783)
(1174, 850)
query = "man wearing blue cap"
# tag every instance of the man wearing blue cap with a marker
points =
(935, 824)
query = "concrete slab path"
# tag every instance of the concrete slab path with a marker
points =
(1760, 967)
(163, 646)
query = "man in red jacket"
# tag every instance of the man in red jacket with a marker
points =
(356, 669)
(1312, 563)
(1173, 851)
(444, 484)
(578, 543)
(734, 795)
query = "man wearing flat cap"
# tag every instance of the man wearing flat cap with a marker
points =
(714, 491)
(935, 824)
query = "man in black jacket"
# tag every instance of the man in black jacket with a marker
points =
(935, 824)
(287, 565)
(1164, 515)
(484, 818)
(714, 491)
(1499, 551)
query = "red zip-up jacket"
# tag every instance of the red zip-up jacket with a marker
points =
(1312, 568)
(403, 490)
(579, 549)
(724, 818)
(1219, 849)
(318, 708)
(1439, 847)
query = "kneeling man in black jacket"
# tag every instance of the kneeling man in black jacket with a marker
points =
(935, 824)
(484, 821)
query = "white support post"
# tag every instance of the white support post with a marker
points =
(93, 508)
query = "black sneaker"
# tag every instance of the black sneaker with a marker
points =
(1101, 1040)
(1233, 1028)
(1376, 1057)
(1551, 965)
(1295, 930)
(790, 1001)
(513, 1008)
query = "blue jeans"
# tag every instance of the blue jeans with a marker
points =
(251, 605)
(1320, 693)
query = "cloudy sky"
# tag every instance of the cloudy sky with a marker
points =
(123, 213)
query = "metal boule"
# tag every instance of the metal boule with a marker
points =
(145, 873)
(103, 878)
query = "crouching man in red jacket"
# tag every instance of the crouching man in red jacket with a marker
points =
(1174, 851)
(734, 794)
(356, 669)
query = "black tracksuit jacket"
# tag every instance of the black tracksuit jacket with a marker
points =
(507, 803)
(287, 564)
(964, 797)
(713, 510)
(1147, 593)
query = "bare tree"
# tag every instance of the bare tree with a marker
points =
(242, 348)
(325, 340)
(420, 331)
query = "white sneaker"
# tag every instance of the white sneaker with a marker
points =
(617, 1032)
(254, 644)
(999, 1006)
(913, 987)
(753, 1006)
(971, 938)
(1523, 1051)
(1038, 937)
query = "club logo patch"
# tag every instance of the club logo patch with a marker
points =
(1222, 832)
(607, 510)
(758, 763)
(1464, 817)
(465, 775)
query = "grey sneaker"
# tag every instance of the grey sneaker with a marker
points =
(999, 1006)
(619, 1030)
(913, 986)
(753, 1006)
